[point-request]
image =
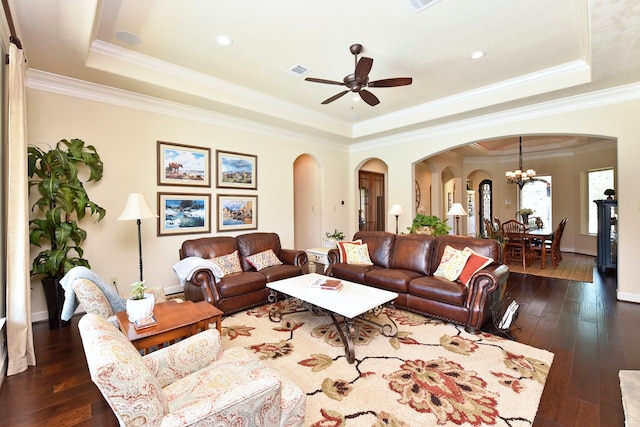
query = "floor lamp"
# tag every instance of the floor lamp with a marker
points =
(457, 211)
(138, 209)
(397, 211)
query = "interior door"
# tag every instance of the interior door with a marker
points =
(371, 212)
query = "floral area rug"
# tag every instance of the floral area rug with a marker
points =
(431, 373)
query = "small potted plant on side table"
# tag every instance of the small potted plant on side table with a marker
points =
(139, 304)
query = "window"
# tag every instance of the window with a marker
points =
(536, 195)
(597, 182)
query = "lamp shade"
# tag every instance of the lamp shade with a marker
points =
(457, 210)
(136, 208)
(396, 210)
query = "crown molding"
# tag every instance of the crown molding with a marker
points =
(54, 83)
(615, 95)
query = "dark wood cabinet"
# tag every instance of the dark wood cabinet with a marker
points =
(607, 234)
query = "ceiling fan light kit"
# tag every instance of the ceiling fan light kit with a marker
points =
(358, 81)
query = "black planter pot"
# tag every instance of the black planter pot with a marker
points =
(54, 294)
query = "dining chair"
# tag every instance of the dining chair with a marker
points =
(551, 247)
(516, 243)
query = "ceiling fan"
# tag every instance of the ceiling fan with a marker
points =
(359, 80)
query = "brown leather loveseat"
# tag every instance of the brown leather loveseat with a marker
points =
(238, 291)
(405, 264)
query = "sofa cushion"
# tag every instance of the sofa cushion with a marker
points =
(439, 289)
(394, 280)
(452, 263)
(263, 259)
(208, 247)
(351, 272)
(229, 263)
(241, 283)
(282, 271)
(342, 248)
(413, 252)
(380, 246)
(476, 262)
(253, 243)
(357, 254)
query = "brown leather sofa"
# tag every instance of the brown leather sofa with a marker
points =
(239, 291)
(405, 264)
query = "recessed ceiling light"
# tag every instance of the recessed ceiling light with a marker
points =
(127, 37)
(477, 54)
(224, 40)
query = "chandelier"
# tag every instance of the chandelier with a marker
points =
(520, 176)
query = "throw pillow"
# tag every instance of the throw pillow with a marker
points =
(452, 263)
(475, 263)
(263, 260)
(343, 251)
(358, 254)
(228, 263)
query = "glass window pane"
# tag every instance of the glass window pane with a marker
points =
(536, 195)
(598, 181)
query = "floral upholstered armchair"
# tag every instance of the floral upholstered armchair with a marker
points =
(192, 382)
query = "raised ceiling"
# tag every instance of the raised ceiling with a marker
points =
(535, 51)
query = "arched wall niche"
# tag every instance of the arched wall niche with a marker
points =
(308, 201)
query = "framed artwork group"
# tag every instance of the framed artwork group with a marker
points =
(183, 165)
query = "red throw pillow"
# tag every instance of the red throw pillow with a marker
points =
(343, 251)
(475, 262)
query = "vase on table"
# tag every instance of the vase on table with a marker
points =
(138, 309)
(525, 219)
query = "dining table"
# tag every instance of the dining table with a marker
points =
(542, 234)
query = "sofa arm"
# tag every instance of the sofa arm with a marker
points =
(333, 256)
(293, 257)
(185, 357)
(481, 285)
(201, 287)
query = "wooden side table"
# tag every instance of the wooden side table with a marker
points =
(175, 320)
(318, 256)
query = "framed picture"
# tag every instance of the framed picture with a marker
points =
(237, 212)
(183, 213)
(186, 165)
(236, 170)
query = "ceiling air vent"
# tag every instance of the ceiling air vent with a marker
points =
(419, 5)
(299, 70)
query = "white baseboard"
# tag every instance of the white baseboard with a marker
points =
(625, 296)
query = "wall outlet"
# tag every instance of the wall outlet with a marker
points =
(114, 281)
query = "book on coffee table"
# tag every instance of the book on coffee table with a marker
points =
(328, 284)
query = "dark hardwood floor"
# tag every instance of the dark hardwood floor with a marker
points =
(592, 335)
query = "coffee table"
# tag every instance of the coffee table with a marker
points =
(353, 301)
(175, 320)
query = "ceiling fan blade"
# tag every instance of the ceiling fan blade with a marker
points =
(329, 82)
(398, 81)
(362, 68)
(369, 98)
(334, 97)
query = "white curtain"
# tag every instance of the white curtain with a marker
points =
(19, 332)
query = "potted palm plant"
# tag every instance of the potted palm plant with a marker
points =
(62, 203)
